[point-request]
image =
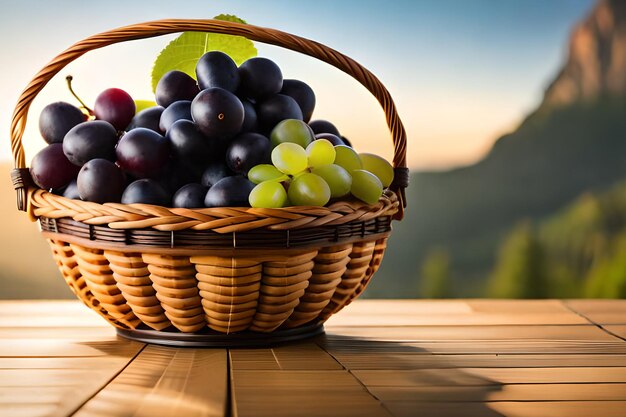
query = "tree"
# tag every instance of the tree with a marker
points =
(435, 275)
(607, 277)
(521, 269)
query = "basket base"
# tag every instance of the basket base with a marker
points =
(211, 339)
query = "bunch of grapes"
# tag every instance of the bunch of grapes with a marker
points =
(237, 136)
(310, 170)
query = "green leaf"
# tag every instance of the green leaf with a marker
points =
(143, 104)
(183, 52)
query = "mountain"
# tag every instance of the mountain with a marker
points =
(573, 143)
(597, 58)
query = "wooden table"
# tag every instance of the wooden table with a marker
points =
(378, 358)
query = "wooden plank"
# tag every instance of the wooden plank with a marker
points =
(166, 382)
(53, 396)
(49, 377)
(54, 320)
(478, 319)
(510, 392)
(386, 361)
(509, 347)
(474, 333)
(88, 362)
(508, 409)
(41, 347)
(38, 307)
(296, 380)
(364, 307)
(490, 376)
(335, 345)
(54, 356)
(600, 311)
(517, 306)
(261, 403)
(56, 390)
(302, 356)
(288, 393)
(454, 313)
(617, 329)
(66, 313)
(561, 409)
(28, 410)
(443, 307)
(90, 333)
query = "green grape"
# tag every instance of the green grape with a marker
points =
(268, 194)
(265, 172)
(309, 190)
(289, 158)
(366, 186)
(292, 131)
(320, 152)
(338, 179)
(347, 158)
(378, 166)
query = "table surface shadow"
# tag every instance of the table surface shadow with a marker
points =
(535, 358)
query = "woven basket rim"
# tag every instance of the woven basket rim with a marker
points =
(43, 203)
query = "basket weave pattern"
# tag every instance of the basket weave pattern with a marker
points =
(230, 269)
(227, 294)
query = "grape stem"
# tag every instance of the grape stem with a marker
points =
(84, 107)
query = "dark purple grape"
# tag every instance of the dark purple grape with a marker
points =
(100, 181)
(175, 86)
(190, 146)
(190, 196)
(143, 153)
(275, 109)
(115, 106)
(229, 192)
(148, 118)
(215, 172)
(69, 188)
(50, 168)
(260, 77)
(334, 139)
(216, 69)
(248, 150)
(175, 175)
(90, 140)
(71, 191)
(146, 191)
(57, 119)
(175, 111)
(249, 118)
(324, 126)
(218, 113)
(303, 94)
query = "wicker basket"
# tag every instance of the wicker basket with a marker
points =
(214, 276)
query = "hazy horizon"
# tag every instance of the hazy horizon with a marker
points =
(461, 73)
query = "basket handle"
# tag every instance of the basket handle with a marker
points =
(21, 176)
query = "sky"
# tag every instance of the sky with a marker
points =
(461, 72)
